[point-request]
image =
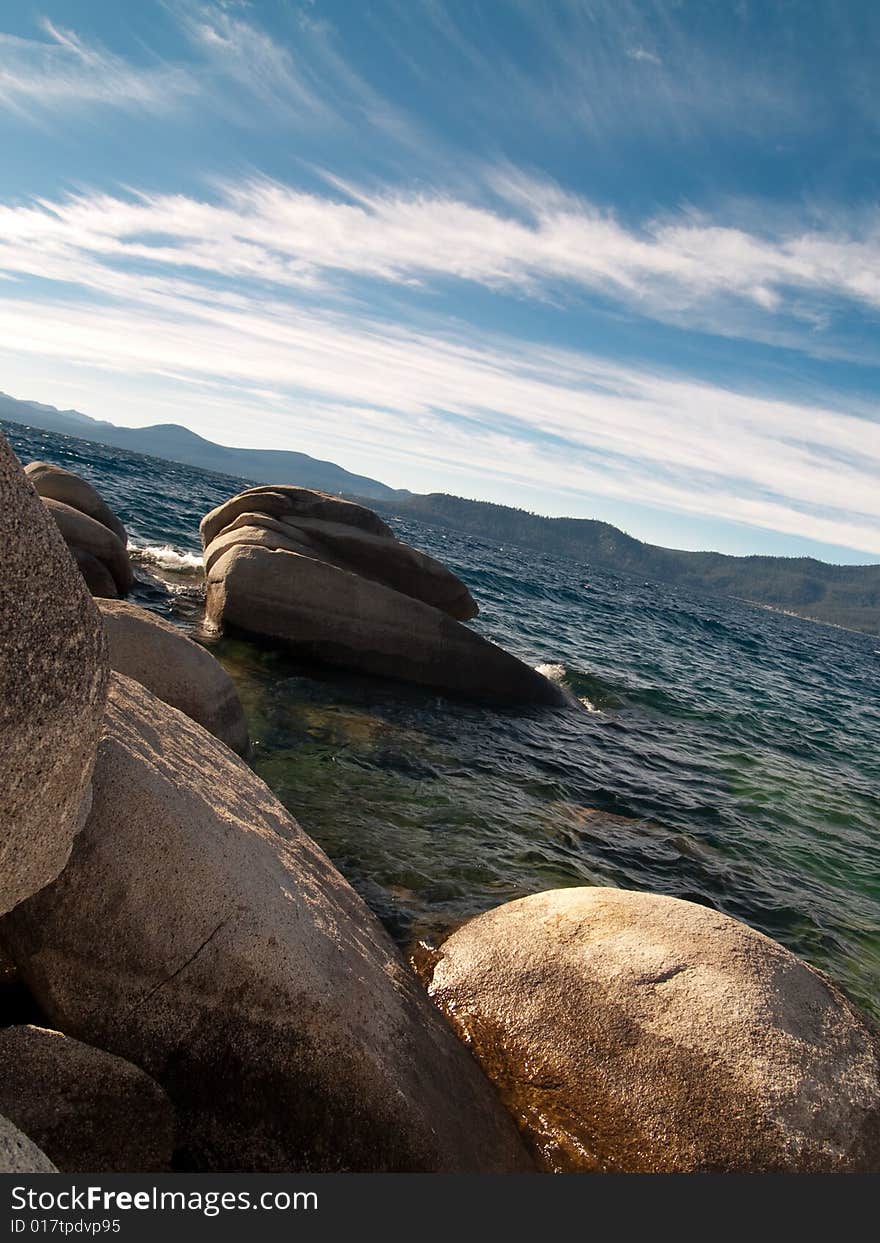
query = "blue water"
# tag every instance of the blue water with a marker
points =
(720, 752)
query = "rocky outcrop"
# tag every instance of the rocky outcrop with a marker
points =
(53, 673)
(631, 1032)
(338, 618)
(20, 1155)
(327, 578)
(178, 671)
(86, 1109)
(91, 530)
(339, 533)
(288, 502)
(199, 933)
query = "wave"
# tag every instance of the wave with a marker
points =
(557, 673)
(166, 557)
(553, 673)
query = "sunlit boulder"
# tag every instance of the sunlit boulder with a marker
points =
(637, 1033)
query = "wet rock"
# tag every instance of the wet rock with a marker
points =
(632, 1032)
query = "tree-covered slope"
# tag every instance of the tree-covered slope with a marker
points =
(845, 595)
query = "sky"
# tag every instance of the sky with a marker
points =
(616, 260)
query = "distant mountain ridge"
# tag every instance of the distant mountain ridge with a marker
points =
(842, 595)
(179, 444)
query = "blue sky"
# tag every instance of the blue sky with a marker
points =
(615, 260)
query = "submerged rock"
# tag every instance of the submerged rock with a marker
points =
(53, 674)
(198, 932)
(329, 579)
(632, 1032)
(90, 1112)
(91, 530)
(178, 671)
(20, 1155)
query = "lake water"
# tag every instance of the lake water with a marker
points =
(720, 752)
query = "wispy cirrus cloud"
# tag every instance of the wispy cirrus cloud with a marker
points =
(227, 64)
(421, 407)
(535, 239)
(253, 309)
(61, 69)
(222, 293)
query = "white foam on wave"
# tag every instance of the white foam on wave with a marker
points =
(166, 557)
(553, 673)
(556, 673)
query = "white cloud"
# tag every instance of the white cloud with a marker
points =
(431, 409)
(538, 239)
(38, 76)
(642, 53)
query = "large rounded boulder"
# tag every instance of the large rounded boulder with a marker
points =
(329, 579)
(637, 1033)
(285, 502)
(178, 671)
(53, 674)
(93, 533)
(199, 933)
(337, 617)
(88, 1111)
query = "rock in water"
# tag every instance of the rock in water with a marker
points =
(91, 530)
(177, 670)
(62, 485)
(90, 1112)
(53, 675)
(328, 578)
(339, 532)
(20, 1155)
(340, 618)
(285, 502)
(638, 1033)
(99, 580)
(198, 932)
(83, 535)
